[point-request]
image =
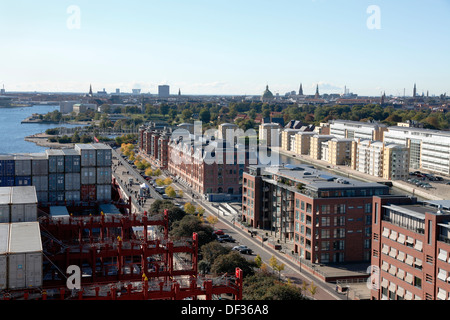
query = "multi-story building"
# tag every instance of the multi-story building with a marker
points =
(339, 151)
(379, 159)
(225, 129)
(357, 130)
(429, 149)
(395, 162)
(287, 135)
(410, 249)
(316, 145)
(153, 143)
(207, 166)
(302, 142)
(327, 217)
(269, 134)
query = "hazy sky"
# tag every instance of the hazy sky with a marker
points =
(226, 46)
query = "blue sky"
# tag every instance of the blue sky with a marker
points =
(226, 46)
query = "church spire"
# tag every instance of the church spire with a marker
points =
(90, 91)
(317, 92)
(300, 91)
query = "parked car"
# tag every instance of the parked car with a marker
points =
(225, 238)
(238, 248)
(246, 251)
(219, 232)
(448, 183)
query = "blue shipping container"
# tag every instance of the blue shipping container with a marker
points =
(7, 168)
(6, 181)
(56, 182)
(56, 196)
(22, 181)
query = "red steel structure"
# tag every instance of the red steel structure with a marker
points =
(119, 265)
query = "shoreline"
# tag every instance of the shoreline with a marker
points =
(347, 171)
(41, 140)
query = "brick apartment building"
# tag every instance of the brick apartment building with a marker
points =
(153, 143)
(410, 247)
(328, 218)
(202, 164)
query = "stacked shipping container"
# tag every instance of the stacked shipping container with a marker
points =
(18, 204)
(20, 256)
(80, 174)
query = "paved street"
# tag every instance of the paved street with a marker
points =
(124, 171)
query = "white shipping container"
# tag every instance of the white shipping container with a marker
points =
(104, 175)
(22, 165)
(88, 175)
(104, 192)
(72, 181)
(88, 155)
(4, 244)
(73, 195)
(39, 164)
(24, 256)
(5, 204)
(23, 204)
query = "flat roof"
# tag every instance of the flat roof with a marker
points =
(25, 237)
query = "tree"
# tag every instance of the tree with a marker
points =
(167, 181)
(159, 182)
(205, 115)
(312, 289)
(170, 191)
(189, 208)
(200, 211)
(264, 286)
(211, 251)
(276, 266)
(212, 220)
(149, 172)
(189, 225)
(229, 262)
(258, 261)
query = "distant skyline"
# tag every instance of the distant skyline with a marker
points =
(228, 47)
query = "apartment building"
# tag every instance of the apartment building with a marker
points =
(316, 145)
(270, 134)
(429, 149)
(379, 159)
(225, 128)
(287, 135)
(302, 142)
(346, 129)
(339, 151)
(153, 143)
(327, 217)
(206, 165)
(410, 249)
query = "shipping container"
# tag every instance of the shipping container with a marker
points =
(73, 196)
(88, 175)
(7, 181)
(56, 182)
(103, 192)
(72, 181)
(23, 204)
(39, 164)
(56, 196)
(104, 155)
(4, 244)
(40, 183)
(88, 193)
(42, 196)
(88, 155)
(55, 161)
(7, 166)
(5, 204)
(104, 175)
(22, 181)
(24, 256)
(72, 161)
(59, 213)
(109, 209)
(22, 165)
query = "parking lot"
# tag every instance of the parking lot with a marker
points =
(435, 185)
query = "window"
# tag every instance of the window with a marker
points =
(325, 222)
(417, 282)
(325, 245)
(339, 208)
(368, 208)
(442, 255)
(442, 275)
(325, 209)
(325, 234)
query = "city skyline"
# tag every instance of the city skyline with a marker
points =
(227, 48)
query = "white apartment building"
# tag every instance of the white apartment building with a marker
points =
(429, 149)
(380, 159)
(345, 129)
(270, 134)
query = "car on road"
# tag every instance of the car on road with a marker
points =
(243, 249)
(225, 238)
(219, 232)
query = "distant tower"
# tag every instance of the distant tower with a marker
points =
(90, 91)
(415, 91)
(317, 92)
(179, 92)
(383, 98)
(300, 92)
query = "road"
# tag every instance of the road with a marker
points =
(325, 291)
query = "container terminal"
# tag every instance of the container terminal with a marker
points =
(63, 209)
